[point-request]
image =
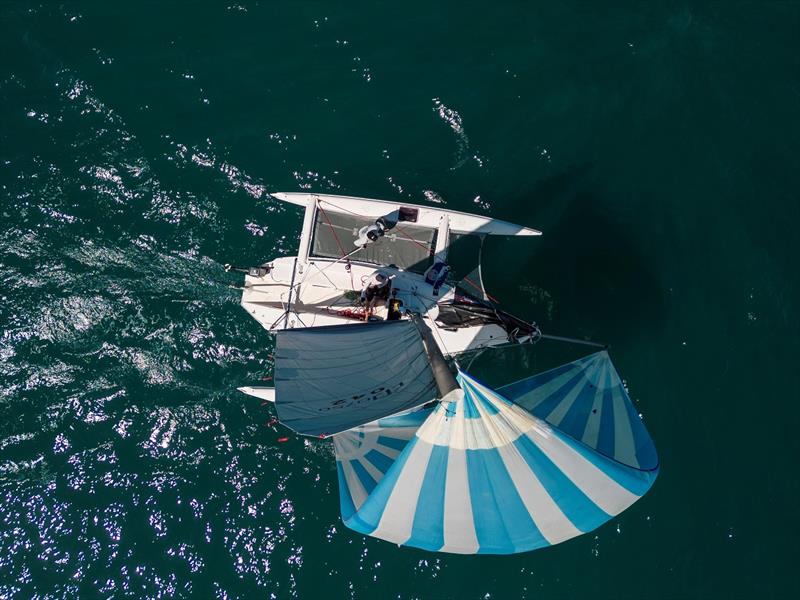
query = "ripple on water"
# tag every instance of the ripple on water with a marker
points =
(129, 465)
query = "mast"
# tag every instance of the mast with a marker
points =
(441, 372)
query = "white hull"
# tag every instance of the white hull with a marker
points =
(264, 393)
(313, 290)
(428, 216)
(323, 291)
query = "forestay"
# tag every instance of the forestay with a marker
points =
(483, 475)
(587, 400)
(329, 379)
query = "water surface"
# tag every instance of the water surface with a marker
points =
(655, 144)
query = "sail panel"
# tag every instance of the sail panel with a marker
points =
(586, 400)
(329, 379)
(371, 449)
(483, 475)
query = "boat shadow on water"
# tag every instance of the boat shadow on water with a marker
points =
(590, 272)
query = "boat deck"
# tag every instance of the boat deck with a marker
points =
(324, 292)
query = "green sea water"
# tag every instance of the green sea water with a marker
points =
(656, 144)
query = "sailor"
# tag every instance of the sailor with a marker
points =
(371, 233)
(376, 288)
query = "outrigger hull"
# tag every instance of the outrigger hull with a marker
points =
(428, 216)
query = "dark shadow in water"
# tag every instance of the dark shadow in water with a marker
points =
(597, 275)
(544, 203)
(586, 276)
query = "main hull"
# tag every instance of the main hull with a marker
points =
(324, 292)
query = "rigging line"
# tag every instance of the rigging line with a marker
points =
(467, 279)
(321, 272)
(559, 338)
(435, 329)
(291, 289)
(492, 300)
(345, 255)
(480, 262)
(297, 314)
(480, 289)
(276, 321)
(535, 338)
(407, 236)
(283, 315)
(432, 252)
(397, 226)
(320, 201)
(333, 230)
(480, 351)
(486, 346)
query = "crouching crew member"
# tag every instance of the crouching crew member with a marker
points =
(376, 288)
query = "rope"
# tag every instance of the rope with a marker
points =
(291, 290)
(345, 255)
(408, 237)
(480, 289)
(559, 338)
(467, 279)
(474, 358)
(328, 221)
(319, 204)
(397, 226)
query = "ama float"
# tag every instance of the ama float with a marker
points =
(366, 317)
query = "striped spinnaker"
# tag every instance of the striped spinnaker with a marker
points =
(483, 475)
(365, 453)
(586, 400)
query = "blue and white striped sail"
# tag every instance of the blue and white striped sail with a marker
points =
(365, 453)
(586, 400)
(483, 475)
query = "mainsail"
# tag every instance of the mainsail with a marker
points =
(329, 379)
(481, 475)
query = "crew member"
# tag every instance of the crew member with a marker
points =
(376, 288)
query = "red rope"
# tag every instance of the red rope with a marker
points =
(477, 287)
(338, 243)
(335, 235)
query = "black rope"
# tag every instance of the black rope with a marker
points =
(558, 338)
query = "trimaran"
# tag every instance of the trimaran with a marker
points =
(365, 317)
